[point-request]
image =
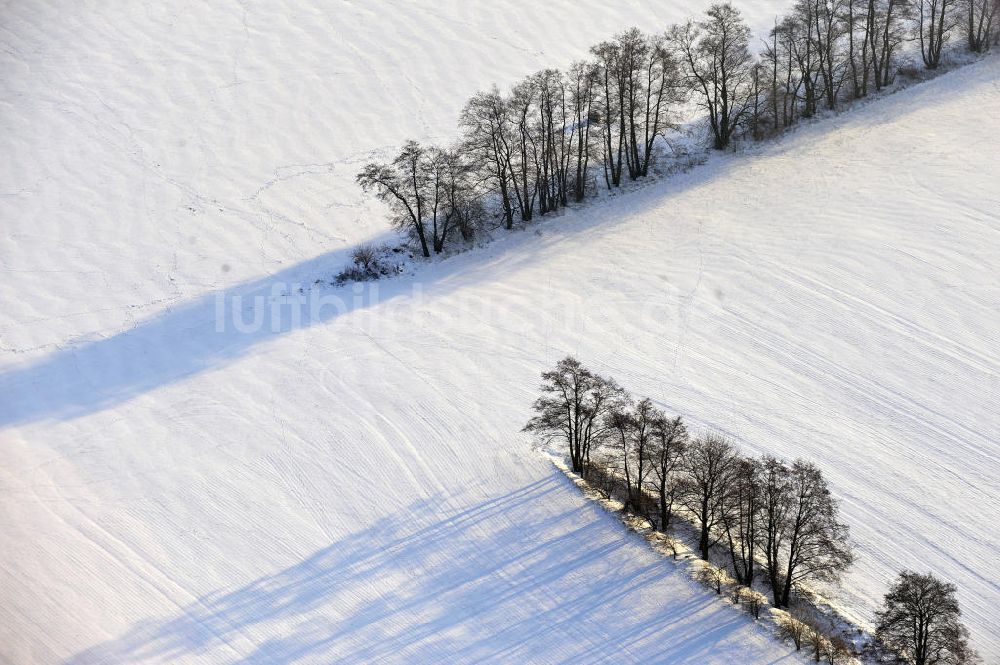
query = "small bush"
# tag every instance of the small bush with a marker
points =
(601, 476)
(754, 601)
(839, 652)
(791, 628)
(368, 262)
(817, 642)
(673, 545)
(366, 257)
(713, 577)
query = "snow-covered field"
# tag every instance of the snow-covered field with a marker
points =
(347, 481)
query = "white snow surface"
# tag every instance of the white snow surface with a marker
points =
(352, 486)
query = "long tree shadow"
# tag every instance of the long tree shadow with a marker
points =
(524, 576)
(92, 375)
(207, 332)
(210, 331)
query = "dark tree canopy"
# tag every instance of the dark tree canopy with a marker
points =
(707, 466)
(920, 620)
(573, 407)
(718, 65)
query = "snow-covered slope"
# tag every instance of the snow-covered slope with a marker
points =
(355, 488)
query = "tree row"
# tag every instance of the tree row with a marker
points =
(775, 520)
(558, 135)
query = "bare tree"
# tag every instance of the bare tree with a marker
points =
(633, 427)
(803, 47)
(855, 21)
(526, 165)
(489, 139)
(428, 192)
(780, 58)
(718, 67)
(582, 84)
(885, 25)
(620, 424)
(666, 452)
(553, 138)
(662, 86)
(646, 418)
(609, 107)
(817, 543)
(775, 507)
(707, 466)
(980, 23)
(920, 619)
(463, 209)
(829, 30)
(573, 407)
(741, 517)
(935, 20)
(633, 51)
(403, 184)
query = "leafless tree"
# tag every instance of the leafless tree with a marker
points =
(741, 516)
(935, 21)
(799, 529)
(856, 24)
(526, 165)
(669, 442)
(573, 407)
(803, 46)
(921, 621)
(555, 136)
(663, 88)
(646, 419)
(817, 542)
(980, 23)
(638, 82)
(489, 139)
(609, 106)
(582, 82)
(886, 27)
(707, 466)
(412, 188)
(632, 428)
(463, 210)
(775, 507)
(718, 67)
(829, 30)
(633, 51)
(780, 59)
(620, 425)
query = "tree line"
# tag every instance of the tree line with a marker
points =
(776, 521)
(557, 135)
